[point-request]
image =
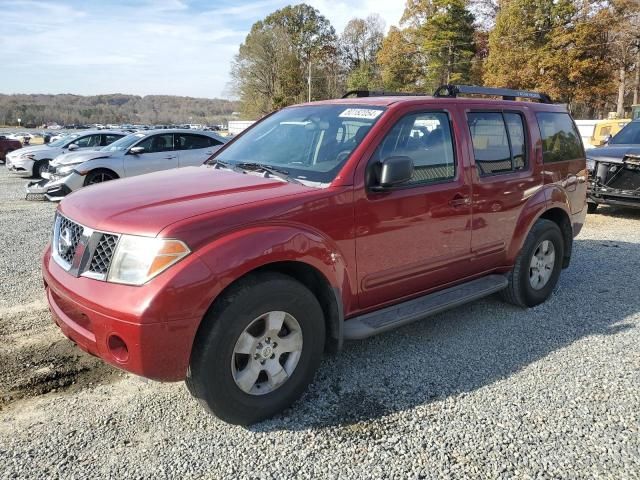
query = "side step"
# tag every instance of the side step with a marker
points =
(395, 316)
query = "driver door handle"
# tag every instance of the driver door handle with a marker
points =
(170, 157)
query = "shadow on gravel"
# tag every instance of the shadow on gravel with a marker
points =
(35, 358)
(469, 347)
(617, 212)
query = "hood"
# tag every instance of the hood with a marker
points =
(34, 148)
(78, 157)
(612, 153)
(146, 204)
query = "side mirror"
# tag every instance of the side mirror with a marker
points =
(394, 171)
(72, 146)
(136, 150)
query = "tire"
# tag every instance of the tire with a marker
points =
(592, 207)
(40, 167)
(522, 278)
(99, 176)
(216, 369)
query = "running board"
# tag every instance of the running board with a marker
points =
(396, 316)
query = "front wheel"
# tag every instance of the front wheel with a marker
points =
(40, 167)
(537, 267)
(257, 349)
(99, 176)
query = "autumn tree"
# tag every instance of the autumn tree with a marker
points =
(398, 60)
(438, 38)
(360, 43)
(273, 64)
(624, 45)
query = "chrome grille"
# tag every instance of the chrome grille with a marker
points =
(82, 251)
(103, 254)
(69, 234)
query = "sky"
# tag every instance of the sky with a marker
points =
(141, 47)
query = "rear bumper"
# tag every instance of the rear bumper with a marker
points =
(156, 328)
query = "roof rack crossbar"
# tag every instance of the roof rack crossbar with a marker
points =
(379, 93)
(506, 93)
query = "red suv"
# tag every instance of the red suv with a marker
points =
(325, 221)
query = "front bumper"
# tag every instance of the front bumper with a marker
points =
(154, 322)
(615, 183)
(54, 188)
(22, 167)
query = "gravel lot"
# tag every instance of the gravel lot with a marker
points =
(486, 390)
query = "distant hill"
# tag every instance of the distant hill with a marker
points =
(37, 109)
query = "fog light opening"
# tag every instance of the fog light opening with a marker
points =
(118, 348)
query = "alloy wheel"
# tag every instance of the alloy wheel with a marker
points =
(266, 353)
(542, 263)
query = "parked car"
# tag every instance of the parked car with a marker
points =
(322, 222)
(8, 145)
(614, 170)
(33, 161)
(135, 154)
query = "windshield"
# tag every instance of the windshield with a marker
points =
(61, 142)
(628, 135)
(123, 143)
(309, 143)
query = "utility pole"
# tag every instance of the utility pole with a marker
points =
(449, 65)
(309, 81)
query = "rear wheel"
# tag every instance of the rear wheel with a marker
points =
(99, 176)
(537, 267)
(257, 349)
(592, 207)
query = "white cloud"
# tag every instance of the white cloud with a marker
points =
(145, 47)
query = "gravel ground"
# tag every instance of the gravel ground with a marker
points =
(486, 390)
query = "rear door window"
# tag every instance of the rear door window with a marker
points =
(499, 142)
(189, 141)
(560, 139)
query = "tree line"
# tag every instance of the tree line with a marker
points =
(69, 109)
(582, 52)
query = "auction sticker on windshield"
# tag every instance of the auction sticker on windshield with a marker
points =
(367, 113)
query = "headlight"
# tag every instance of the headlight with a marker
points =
(66, 169)
(30, 156)
(591, 164)
(138, 259)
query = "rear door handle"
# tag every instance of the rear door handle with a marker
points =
(459, 201)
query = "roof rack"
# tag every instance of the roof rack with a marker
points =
(505, 93)
(379, 93)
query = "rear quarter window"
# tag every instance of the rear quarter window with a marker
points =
(560, 139)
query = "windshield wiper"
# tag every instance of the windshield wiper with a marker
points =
(275, 171)
(228, 165)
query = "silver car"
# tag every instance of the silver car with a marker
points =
(34, 160)
(135, 154)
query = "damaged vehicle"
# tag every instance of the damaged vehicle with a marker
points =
(135, 154)
(614, 170)
(33, 161)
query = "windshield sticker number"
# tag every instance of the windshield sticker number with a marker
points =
(366, 113)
